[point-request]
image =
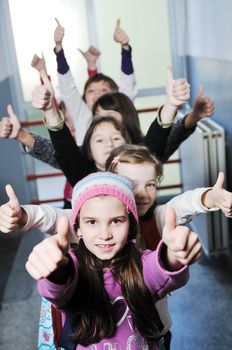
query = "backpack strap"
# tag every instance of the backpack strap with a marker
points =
(64, 341)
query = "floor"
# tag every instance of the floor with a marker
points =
(201, 311)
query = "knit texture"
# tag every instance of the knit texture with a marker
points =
(103, 183)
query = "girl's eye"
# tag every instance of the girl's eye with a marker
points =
(116, 138)
(99, 140)
(91, 222)
(151, 184)
(116, 221)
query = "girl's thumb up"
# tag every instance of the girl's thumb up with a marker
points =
(220, 180)
(13, 200)
(63, 234)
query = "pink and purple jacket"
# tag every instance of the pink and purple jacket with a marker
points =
(159, 281)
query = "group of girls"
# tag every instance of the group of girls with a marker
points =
(111, 259)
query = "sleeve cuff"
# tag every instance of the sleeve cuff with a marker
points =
(60, 123)
(164, 125)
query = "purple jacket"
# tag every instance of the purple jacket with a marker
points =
(157, 279)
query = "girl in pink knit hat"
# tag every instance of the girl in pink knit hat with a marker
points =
(106, 288)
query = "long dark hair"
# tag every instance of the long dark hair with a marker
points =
(92, 315)
(96, 121)
(119, 102)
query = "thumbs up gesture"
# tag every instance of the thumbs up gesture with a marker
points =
(42, 95)
(39, 63)
(10, 126)
(50, 254)
(11, 213)
(58, 35)
(203, 106)
(183, 245)
(16, 126)
(219, 197)
(5, 127)
(177, 90)
(91, 56)
(120, 35)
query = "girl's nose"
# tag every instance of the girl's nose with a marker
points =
(105, 233)
(109, 143)
(140, 193)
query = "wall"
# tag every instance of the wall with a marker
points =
(202, 51)
(12, 164)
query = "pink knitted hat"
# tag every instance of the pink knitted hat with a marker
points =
(103, 183)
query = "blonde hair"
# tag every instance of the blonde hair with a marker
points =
(133, 154)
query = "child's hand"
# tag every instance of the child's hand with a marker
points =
(178, 91)
(42, 95)
(91, 56)
(203, 106)
(219, 197)
(120, 36)
(183, 245)
(48, 255)
(58, 35)
(16, 126)
(38, 63)
(10, 126)
(5, 127)
(10, 213)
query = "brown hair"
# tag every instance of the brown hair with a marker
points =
(100, 77)
(96, 121)
(90, 308)
(134, 154)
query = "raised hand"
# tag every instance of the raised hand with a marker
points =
(11, 213)
(10, 126)
(5, 127)
(177, 90)
(39, 63)
(16, 126)
(203, 106)
(218, 197)
(120, 35)
(183, 245)
(42, 95)
(50, 254)
(91, 56)
(58, 35)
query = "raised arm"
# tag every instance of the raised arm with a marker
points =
(203, 107)
(177, 93)
(14, 216)
(35, 145)
(91, 56)
(198, 201)
(79, 112)
(127, 78)
(39, 64)
(68, 154)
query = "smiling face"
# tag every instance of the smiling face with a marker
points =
(95, 90)
(104, 226)
(144, 177)
(105, 137)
